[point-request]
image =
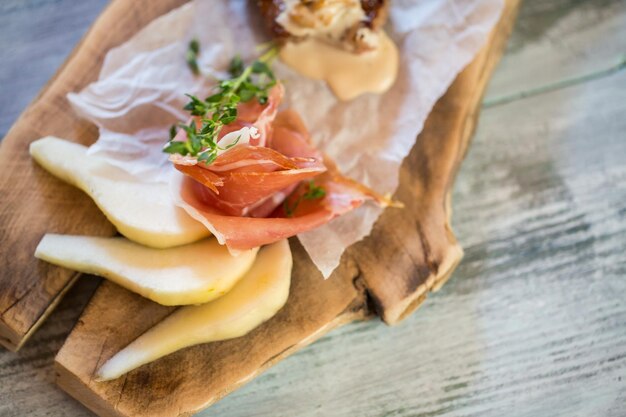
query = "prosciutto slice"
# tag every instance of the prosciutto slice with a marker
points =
(259, 174)
(259, 192)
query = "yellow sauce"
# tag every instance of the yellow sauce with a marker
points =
(347, 74)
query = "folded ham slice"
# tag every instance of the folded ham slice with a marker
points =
(262, 173)
(260, 191)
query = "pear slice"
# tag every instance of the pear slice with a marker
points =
(143, 212)
(189, 274)
(256, 298)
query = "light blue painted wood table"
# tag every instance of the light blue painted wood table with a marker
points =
(533, 322)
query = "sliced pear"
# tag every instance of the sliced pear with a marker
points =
(256, 298)
(189, 274)
(143, 212)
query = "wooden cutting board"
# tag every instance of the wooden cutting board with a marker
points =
(409, 253)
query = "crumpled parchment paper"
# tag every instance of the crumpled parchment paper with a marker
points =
(141, 87)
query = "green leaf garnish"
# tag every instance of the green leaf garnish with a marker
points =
(236, 67)
(313, 192)
(194, 46)
(192, 56)
(176, 147)
(173, 132)
(219, 109)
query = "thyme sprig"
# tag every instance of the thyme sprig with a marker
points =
(214, 112)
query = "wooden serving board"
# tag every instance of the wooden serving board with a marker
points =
(32, 201)
(409, 253)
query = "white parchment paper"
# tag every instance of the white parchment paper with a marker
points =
(141, 87)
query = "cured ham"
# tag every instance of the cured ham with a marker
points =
(235, 191)
(262, 191)
(242, 233)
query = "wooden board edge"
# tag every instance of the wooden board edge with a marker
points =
(72, 384)
(13, 341)
(403, 310)
(341, 320)
(489, 56)
(81, 393)
(15, 330)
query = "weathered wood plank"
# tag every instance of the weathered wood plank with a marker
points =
(36, 36)
(397, 287)
(35, 203)
(420, 235)
(30, 56)
(194, 378)
(560, 39)
(533, 322)
(30, 289)
(27, 377)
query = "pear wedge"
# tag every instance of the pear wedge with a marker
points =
(143, 212)
(256, 298)
(189, 274)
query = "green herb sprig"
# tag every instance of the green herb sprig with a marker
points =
(193, 50)
(246, 83)
(313, 192)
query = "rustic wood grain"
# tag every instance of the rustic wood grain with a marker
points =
(194, 378)
(534, 322)
(33, 202)
(31, 289)
(417, 243)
